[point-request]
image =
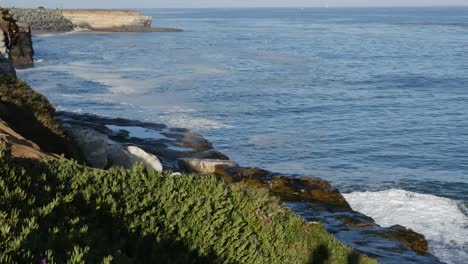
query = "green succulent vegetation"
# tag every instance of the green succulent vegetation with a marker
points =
(62, 212)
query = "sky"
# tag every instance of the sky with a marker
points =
(223, 3)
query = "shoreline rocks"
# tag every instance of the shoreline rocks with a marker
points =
(101, 153)
(315, 199)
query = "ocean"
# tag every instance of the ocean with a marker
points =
(374, 100)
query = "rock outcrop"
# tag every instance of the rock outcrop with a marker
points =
(22, 52)
(42, 19)
(109, 20)
(21, 147)
(6, 62)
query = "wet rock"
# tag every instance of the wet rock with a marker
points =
(211, 154)
(286, 187)
(196, 141)
(92, 144)
(355, 222)
(203, 166)
(150, 161)
(22, 53)
(408, 237)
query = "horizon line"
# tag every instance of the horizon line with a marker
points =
(265, 7)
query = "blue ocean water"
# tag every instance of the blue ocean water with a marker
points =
(374, 100)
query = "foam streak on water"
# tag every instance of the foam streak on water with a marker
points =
(442, 220)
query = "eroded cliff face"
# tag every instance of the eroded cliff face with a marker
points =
(109, 20)
(6, 63)
(22, 53)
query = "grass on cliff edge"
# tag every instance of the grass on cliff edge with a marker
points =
(62, 212)
(20, 94)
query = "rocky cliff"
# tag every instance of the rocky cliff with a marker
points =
(41, 19)
(109, 20)
(22, 53)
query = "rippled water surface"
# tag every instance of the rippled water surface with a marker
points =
(374, 100)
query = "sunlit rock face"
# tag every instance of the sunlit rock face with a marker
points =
(6, 65)
(109, 20)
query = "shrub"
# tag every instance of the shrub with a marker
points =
(62, 212)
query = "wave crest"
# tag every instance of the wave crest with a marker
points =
(440, 219)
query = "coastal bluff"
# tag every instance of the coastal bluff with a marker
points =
(98, 20)
(108, 20)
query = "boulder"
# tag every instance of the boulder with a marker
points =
(203, 166)
(196, 141)
(118, 156)
(22, 53)
(92, 144)
(139, 155)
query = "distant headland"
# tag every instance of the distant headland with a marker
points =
(101, 20)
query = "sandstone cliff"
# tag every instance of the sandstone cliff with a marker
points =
(22, 53)
(109, 20)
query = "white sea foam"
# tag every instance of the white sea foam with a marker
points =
(114, 77)
(440, 219)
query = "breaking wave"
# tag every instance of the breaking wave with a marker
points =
(443, 221)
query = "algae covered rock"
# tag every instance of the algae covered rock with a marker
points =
(408, 237)
(288, 188)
